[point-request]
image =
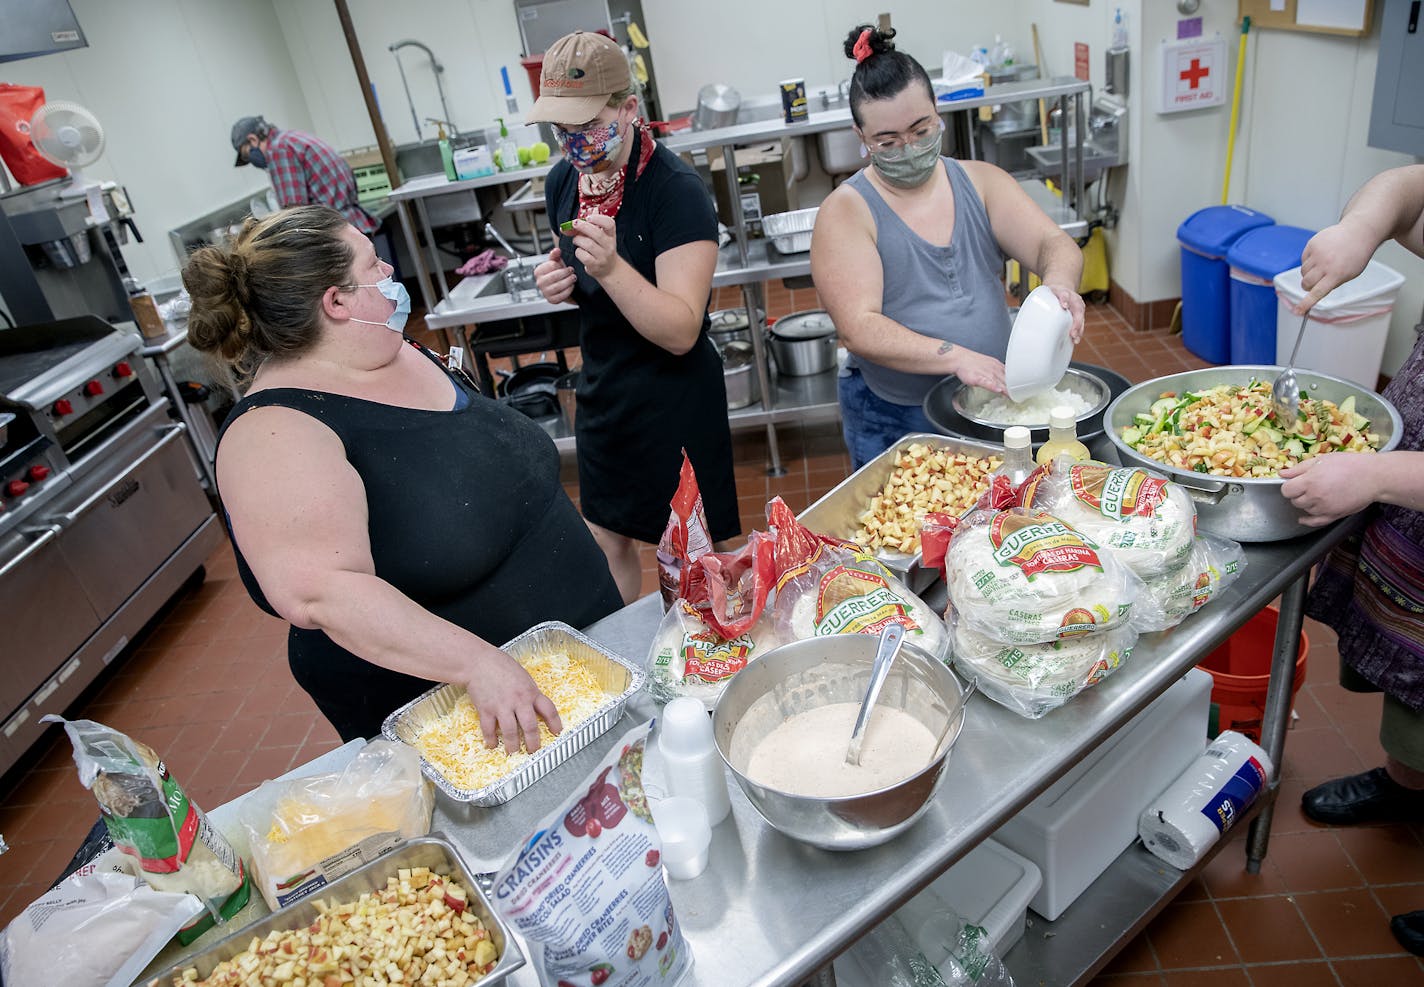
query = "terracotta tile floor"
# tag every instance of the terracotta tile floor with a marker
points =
(208, 687)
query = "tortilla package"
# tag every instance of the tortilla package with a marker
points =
(685, 538)
(150, 818)
(826, 586)
(718, 624)
(1022, 576)
(586, 890)
(1144, 518)
(1033, 679)
(1212, 565)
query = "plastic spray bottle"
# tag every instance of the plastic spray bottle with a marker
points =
(506, 153)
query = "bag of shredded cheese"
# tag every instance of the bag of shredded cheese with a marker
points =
(307, 832)
(826, 586)
(1144, 518)
(586, 889)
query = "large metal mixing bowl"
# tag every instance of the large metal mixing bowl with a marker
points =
(1246, 509)
(817, 672)
(941, 409)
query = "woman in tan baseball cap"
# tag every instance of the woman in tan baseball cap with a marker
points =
(637, 245)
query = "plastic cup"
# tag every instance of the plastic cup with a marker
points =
(686, 729)
(685, 834)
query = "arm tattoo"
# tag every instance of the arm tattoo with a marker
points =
(945, 347)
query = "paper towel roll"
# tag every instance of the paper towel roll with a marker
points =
(1186, 820)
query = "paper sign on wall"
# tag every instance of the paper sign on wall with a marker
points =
(1194, 75)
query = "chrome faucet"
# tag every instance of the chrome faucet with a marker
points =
(394, 49)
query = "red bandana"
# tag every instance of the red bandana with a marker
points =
(605, 195)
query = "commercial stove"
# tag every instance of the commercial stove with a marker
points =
(102, 517)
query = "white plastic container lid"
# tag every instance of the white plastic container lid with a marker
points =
(1374, 289)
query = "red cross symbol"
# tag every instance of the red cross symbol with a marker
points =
(1196, 73)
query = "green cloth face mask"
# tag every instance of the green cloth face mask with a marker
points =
(909, 166)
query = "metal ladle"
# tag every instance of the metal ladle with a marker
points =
(1285, 391)
(890, 641)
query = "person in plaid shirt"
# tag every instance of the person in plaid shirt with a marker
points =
(304, 169)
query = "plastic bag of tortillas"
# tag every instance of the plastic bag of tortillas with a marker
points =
(826, 586)
(718, 624)
(1032, 679)
(151, 819)
(1022, 576)
(1144, 518)
(586, 889)
(1212, 565)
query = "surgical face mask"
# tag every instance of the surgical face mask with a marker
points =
(256, 158)
(909, 165)
(395, 291)
(588, 149)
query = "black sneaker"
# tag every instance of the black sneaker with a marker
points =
(1364, 798)
(1409, 930)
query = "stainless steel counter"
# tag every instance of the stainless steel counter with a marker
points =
(753, 902)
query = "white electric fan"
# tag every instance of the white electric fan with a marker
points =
(70, 136)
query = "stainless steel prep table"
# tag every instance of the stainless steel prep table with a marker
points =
(785, 910)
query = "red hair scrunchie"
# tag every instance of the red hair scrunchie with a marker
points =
(862, 47)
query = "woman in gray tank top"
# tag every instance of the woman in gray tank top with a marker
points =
(907, 255)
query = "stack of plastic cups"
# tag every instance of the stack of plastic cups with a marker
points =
(697, 786)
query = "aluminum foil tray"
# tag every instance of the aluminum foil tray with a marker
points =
(791, 231)
(838, 513)
(618, 677)
(434, 851)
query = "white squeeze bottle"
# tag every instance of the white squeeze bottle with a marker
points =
(1018, 455)
(1062, 438)
(691, 765)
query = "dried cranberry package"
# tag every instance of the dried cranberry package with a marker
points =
(587, 892)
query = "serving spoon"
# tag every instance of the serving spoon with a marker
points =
(890, 640)
(1285, 391)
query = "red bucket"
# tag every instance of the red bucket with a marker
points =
(1241, 672)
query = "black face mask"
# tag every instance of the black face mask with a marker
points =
(256, 158)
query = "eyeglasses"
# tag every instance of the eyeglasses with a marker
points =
(919, 139)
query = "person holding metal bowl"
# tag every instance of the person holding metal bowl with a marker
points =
(1371, 589)
(908, 255)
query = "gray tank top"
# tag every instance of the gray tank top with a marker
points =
(952, 293)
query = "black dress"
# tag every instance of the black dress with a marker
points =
(639, 406)
(467, 517)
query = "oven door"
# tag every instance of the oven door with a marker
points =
(45, 616)
(130, 511)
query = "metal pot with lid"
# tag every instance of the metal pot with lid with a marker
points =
(803, 343)
(739, 374)
(717, 105)
(732, 325)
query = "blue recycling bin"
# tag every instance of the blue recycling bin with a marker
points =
(1254, 261)
(1205, 236)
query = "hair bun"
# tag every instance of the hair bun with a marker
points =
(879, 41)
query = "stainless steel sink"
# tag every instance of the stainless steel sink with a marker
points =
(495, 286)
(1096, 159)
(839, 151)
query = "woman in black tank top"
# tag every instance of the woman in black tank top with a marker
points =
(403, 523)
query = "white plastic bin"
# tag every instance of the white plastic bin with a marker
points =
(990, 887)
(1079, 826)
(1346, 333)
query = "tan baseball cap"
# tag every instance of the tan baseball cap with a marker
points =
(581, 70)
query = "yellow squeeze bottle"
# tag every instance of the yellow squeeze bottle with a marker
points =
(1062, 438)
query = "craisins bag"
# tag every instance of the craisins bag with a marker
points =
(586, 890)
(17, 106)
(685, 538)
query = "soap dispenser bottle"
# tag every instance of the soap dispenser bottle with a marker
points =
(447, 153)
(506, 151)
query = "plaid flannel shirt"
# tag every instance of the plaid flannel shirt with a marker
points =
(305, 169)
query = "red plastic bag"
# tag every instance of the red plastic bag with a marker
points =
(685, 538)
(17, 106)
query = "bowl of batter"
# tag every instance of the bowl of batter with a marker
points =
(783, 724)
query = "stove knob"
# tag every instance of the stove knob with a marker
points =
(93, 388)
(38, 472)
(122, 369)
(16, 488)
(63, 407)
